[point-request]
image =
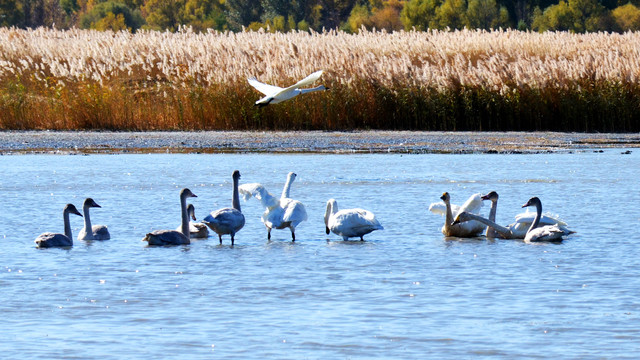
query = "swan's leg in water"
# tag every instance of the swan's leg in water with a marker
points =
(268, 233)
(220, 237)
(293, 234)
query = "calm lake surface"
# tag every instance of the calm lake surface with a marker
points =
(406, 292)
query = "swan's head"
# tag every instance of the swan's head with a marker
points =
(292, 175)
(191, 211)
(71, 209)
(186, 193)
(493, 196)
(462, 217)
(534, 201)
(88, 202)
(236, 175)
(445, 197)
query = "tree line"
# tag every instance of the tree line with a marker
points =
(347, 15)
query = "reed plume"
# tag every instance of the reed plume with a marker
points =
(435, 80)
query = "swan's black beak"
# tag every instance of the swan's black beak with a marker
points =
(486, 197)
(455, 222)
(527, 204)
(328, 231)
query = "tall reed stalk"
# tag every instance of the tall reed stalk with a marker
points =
(462, 80)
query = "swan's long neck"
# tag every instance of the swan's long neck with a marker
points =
(491, 230)
(184, 225)
(498, 228)
(87, 222)
(536, 220)
(317, 88)
(287, 188)
(448, 215)
(67, 225)
(332, 208)
(235, 202)
(494, 209)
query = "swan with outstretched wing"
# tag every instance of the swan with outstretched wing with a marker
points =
(280, 213)
(275, 94)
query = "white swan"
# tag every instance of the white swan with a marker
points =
(196, 230)
(523, 221)
(48, 239)
(89, 232)
(466, 229)
(549, 233)
(279, 213)
(227, 220)
(349, 222)
(174, 237)
(274, 94)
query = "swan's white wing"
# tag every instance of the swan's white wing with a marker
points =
(441, 209)
(354, 223)
(306, 81)
(294, 211)
(248, 190)
(546, 219)
(472, 205)
(525, 219)
(259, 192)
(264, 88)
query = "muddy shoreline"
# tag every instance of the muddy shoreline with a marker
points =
(30, 142)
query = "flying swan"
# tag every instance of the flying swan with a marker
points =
(275, 94)
(89, 232)
(47, 240)
(349, 222)
(174, 237)
(227, 220)
(279, 213)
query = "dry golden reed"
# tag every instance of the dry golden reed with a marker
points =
(436, 80)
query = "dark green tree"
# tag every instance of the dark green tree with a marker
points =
(420, 14)
(485, 14)
(10, 13)
(111, 15)
(164, 14)
(243, 12)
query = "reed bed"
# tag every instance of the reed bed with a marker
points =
(436, 80)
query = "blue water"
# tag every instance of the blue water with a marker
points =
(406, 292)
